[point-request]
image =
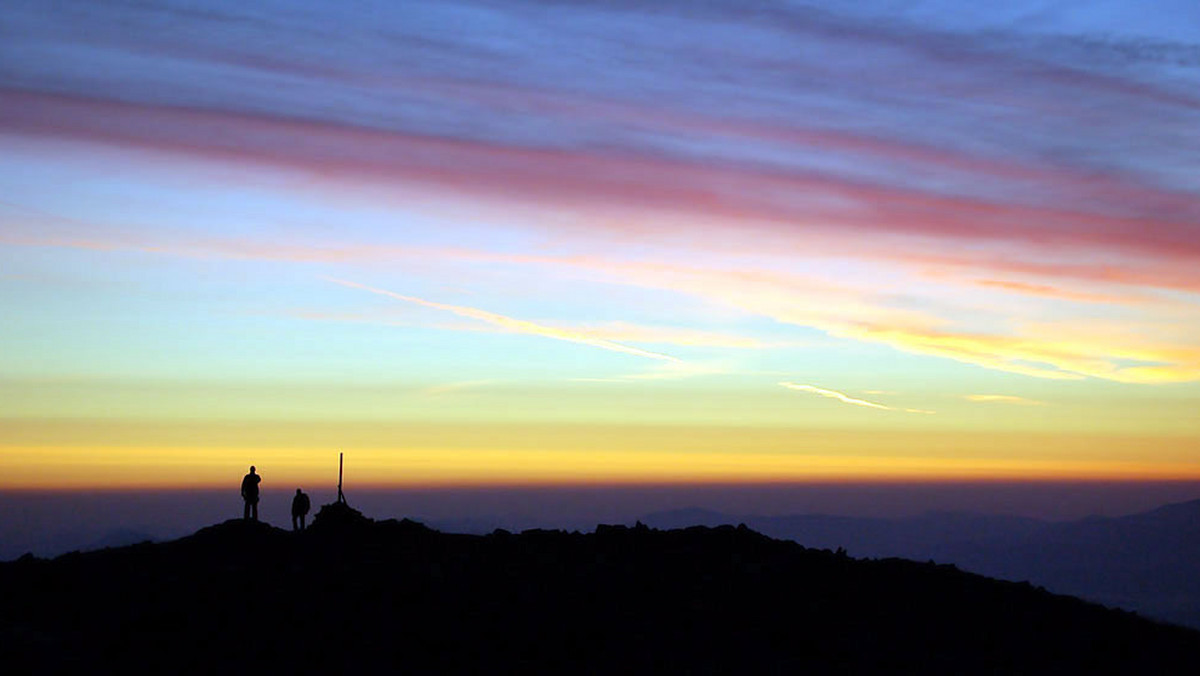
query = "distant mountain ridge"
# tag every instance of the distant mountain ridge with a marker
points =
(353, 595)
(1148, 562)
(119, 537)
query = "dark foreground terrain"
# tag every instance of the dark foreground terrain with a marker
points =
(351, 595)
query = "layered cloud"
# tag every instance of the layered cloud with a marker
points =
(711, 189)
(1151, 345)
(837, 120)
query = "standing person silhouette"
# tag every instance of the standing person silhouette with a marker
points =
(250, 494)
(300, 507)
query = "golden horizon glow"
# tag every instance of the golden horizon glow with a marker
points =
(548, 455)
(173, 468)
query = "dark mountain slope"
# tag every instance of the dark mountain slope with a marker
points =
(351, 594)
(1148, 562)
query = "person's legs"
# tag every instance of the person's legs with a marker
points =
(246, 512)
(302, 521)
(294, 524)
(254, 510)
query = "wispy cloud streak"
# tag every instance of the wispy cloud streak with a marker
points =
(846, 399)
(512, 324)
(1003, 399)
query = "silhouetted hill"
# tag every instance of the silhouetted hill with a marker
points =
(356, 595)
(1148, 562)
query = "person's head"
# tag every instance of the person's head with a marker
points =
(252, 469)
(297, 491)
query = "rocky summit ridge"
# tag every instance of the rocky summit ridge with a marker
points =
(353, 593)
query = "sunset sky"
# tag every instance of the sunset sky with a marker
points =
(534, 242)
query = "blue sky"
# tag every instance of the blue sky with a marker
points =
(936, 218)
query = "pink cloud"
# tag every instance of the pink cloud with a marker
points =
(729, 193)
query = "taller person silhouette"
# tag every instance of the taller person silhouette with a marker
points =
(250, 494)
(300, 507)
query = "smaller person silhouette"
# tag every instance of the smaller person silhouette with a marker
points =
(300, 507)
(250, 494)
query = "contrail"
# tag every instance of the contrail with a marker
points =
(834, 395)
(512, 324)
(848, 399)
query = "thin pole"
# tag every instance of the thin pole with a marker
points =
(341, 498)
